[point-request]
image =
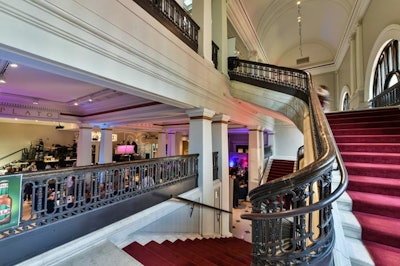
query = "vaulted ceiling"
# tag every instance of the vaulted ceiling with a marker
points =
(269, 31)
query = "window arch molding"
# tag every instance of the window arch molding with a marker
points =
(345, 98)
(391, 32)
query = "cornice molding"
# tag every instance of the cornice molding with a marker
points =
(240, 21)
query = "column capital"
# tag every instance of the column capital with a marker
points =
(221, 118)
(254, 128)
(200, 113)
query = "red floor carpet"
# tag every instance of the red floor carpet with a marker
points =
(213, 251)
(369, 142)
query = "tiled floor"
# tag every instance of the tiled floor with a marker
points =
(241, 228)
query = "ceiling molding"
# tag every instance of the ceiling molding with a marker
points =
(241, 22)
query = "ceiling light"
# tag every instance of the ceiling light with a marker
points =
(35, 102)
(90, 100)
(14, 65)
(2, 79)
(76, 103)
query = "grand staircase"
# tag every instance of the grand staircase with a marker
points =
(369, 142)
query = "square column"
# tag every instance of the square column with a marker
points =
(171, 143)
(162, 143)
(220, 145)
(255, 164)
(200, 142)
(106, 146)
(84, 146)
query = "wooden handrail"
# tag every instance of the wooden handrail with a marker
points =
(200, 204)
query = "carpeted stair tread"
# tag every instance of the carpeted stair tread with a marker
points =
(363, 118)
(187, 246)
(375, 203)
(198, 257)
(367, 139)
(224, 257)
(376, 185)
(145, 256)
(174, 255)
(369, 142)
(365, 124)
(371, 157)
(368, 169)
(376, 112)
(383, 255)
(369, 147)
(240, 255)
(366, 131)
(379, 229)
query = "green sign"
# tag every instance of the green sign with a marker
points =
(10, 200)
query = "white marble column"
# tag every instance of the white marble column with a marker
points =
(171, 143)
(220, 145)
(261, 150)
(254, 156)
(162, 143)
(106, 152)
(84, 146)
(200, 141)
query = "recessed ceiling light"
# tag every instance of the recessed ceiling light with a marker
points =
(13, 65)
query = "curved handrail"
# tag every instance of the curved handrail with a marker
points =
(298, 203)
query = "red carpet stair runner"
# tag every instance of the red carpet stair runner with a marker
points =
(369, 142)
(211, 251)
(280, 168)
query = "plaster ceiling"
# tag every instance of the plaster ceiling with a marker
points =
(271, 33)
(266, 28)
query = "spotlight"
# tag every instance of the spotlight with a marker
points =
(2, 79)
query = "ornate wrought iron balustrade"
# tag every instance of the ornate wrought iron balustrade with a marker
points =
(174, 18)
(60, 194)
(292, 222)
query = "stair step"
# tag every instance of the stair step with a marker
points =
(379, 229)
(365, 124)
(367, 169)
(363, 118)
(359, 255)
(369, 147)
(378, 204)
(377, 185)
(144, 255)
(366, 131)
(367, 139)
(376, 112)
(350, 225)
(383, 254)
(371, 157)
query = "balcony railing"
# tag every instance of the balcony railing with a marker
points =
(388, 97)
(174, 18)
(292, 221)
(63, 205)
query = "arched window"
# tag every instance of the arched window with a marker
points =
(346, 102)
(387, 75)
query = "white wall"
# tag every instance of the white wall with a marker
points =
(287, 140)
(17, 136)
